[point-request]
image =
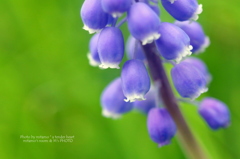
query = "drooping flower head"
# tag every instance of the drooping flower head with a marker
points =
(112, 100)
(143, 23)
(215, 113)
(135, 80)
(198, 39)
(93, 16)
(93, 56)
(161, 126)
(201, 66)
(188, 80)
(174, 43)
(110, 47)
(183, 10)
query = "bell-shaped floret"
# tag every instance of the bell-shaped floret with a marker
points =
(201, 66)
(198, 39)
(215, 113)
(135, 80)
(145, 106)
(112, 100)
(93, 56)
(188, 80)
(93, 16)
(110, 47)
(161, 126)
(183, 10)
(174, 43)
(116, 7)
(134, 49)
(143, 23)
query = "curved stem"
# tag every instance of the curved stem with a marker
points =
(158, 74)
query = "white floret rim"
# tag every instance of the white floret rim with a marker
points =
(172, 1)
(150, 38)
(186, 52)
(109, 114)
(197, 12)
(198, 93)
(92, 62)
(90, 30)
(116, 14)
(204, 45)
(134, 97)
(109, 65)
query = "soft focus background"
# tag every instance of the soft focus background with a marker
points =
(47, 86)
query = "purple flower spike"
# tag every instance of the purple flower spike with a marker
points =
(143, 23)
(198, 39)
(174, 43)
(145, 106)
(116, 7)
(161, 127)
(201, 66)
(188, 80)
(183, 10)
(215, 113)
(110, 47)
(93, 55)
(134, 49)
(135, 80)
(93, 17)
(112, 100)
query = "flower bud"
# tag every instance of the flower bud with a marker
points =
(215, 113)
(134, 49)
(198, 39)
(94, 18)
(183, 10)
(93, 55)
(143, 23)
(201, 66)
(110, 47)
(112, 100)
(188, 80)
(174, 43)
(116, 7)
(145, 106)
(161, 127)
(135, 80)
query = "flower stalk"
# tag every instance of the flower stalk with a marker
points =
(157, 71)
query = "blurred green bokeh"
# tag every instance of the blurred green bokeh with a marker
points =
(48, 88)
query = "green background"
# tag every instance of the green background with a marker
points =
(47, 86)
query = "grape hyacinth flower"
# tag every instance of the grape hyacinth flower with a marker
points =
(188, 80)
(116, 7)
(135, 80)
(145, 106)
(141, 29)
(134, 49)
(174, 43)
(198, 39)
(150, 41)
(110, 47)
(201, 66)
(93, 16)
(112, 100)
(93, 56)
(215, 113)
(161, 126)
(183, 10)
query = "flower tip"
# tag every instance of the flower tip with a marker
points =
(90, 30)
(203, 90)
(197, 12)
(105, 66)
(92, 62)
(186, 52)
(164, 143)
(149, 39)
(108, 114)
